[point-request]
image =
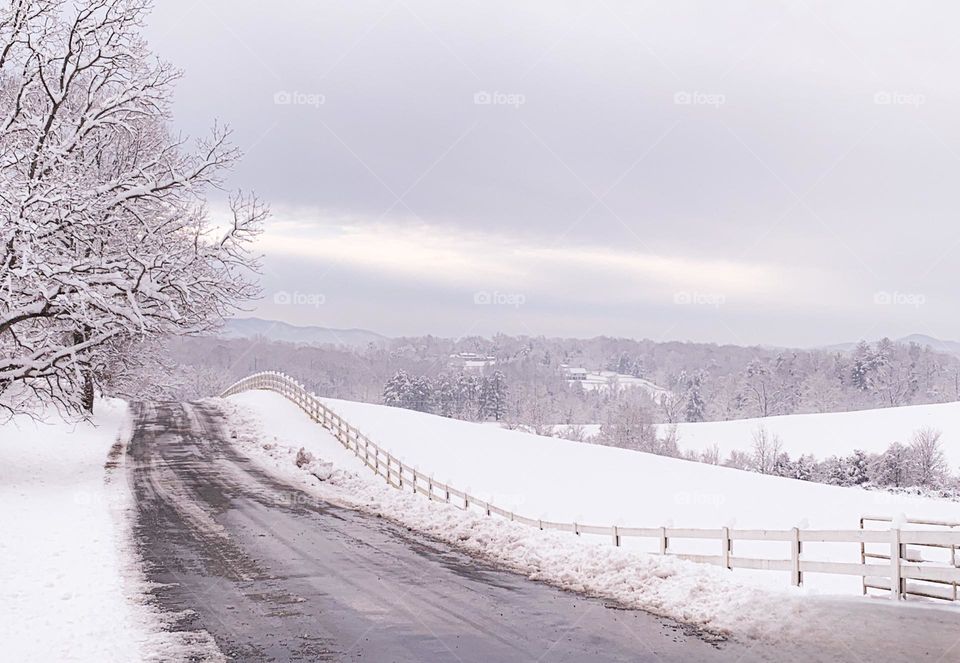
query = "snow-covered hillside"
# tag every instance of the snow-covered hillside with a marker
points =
(68, 586)
(613, 381)
(555, 479)
(836, 433)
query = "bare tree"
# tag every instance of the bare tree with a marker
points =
(759, 387)
(766, 450)
(740, 460)
(104, 236)
(929, 463)
(895, 467)
(711, 455)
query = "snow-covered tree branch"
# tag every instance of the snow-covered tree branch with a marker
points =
(105, 240)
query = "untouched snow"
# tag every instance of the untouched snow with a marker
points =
(555, 479)
(271, 430)
(830, 434)
(563, 480)
(69, 586)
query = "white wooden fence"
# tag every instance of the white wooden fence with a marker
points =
(892, 573)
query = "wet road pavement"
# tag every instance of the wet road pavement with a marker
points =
(275, 575)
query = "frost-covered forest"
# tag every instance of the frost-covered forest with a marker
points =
(706, 382)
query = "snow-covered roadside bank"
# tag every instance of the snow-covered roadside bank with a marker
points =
(271, 430)
(70, 584)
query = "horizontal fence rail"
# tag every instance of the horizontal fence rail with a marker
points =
(897, 564)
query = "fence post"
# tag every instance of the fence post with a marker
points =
(896, 582)
(796, 578)
(863, 560)
(726, 543)
(953, 562)
(663, 541)
(616, 536)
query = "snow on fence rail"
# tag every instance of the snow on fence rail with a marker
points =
(892, 574)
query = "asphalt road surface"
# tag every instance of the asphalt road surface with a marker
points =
(275, 575)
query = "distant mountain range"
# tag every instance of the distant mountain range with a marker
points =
(940, 345)
(275, 330)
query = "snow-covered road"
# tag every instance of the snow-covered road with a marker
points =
(274, 574)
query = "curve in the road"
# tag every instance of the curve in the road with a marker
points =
(274, 575)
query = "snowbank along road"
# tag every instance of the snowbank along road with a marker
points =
(273, 574)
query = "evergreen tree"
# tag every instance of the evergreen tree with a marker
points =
(857, 466)
(782, 466)
(863, 362)
(834, 471)
(696, 408)
(466, 395)
(805, 468)
(419, 394)
(493, 396)
(395, 391)
(444, 395)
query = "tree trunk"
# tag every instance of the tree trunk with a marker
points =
(86, 400)
(87, 391)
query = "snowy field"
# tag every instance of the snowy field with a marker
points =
(271, 430)
(823, 435)
(838, 433)
(69, 587)
(611, 380)
(554, 479)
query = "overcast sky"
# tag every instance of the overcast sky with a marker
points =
(768, 172)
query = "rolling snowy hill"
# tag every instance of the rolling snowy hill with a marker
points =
(554, 479)
(275, 330)
(834, 433)
(923, 340)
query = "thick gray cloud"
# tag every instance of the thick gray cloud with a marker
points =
(740, 172)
